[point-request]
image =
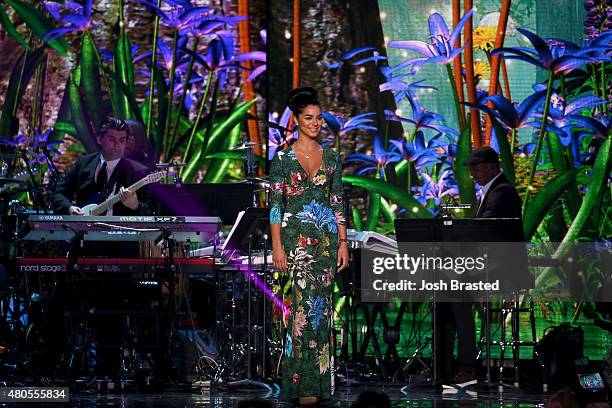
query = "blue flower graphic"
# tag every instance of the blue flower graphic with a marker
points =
(317, 310)
(279, 135)
(559, 56)
(377, 161)
(418, 152)
(321, 216)
(442, 48)
(275, 214)
(289, 346)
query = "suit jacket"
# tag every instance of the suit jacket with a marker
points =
(79, 185)
(501, 201)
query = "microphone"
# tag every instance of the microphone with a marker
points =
(458, 206)
(449, 207)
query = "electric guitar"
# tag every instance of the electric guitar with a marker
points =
(99, 209)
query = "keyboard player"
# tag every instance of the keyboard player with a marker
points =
(499, 199)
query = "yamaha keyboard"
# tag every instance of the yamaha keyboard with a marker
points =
(120, 228)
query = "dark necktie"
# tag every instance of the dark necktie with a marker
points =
(102, 179)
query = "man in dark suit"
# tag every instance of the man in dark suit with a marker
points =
(96, 176)
(90, 180)
(498, 199)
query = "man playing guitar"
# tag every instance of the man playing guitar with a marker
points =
(98, 183)
(96, 176)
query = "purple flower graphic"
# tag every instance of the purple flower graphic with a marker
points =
(441, 48)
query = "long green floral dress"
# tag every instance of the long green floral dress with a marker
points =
(309, 211)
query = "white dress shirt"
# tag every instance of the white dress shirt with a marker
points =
(110, 167)
(485, 189)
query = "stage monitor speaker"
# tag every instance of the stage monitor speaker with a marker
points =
(560, 347)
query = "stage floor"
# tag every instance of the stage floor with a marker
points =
(344, 397)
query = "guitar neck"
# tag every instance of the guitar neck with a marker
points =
(114, 199)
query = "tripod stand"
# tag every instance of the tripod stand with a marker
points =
(249, 232)
(417, 354)
(435, 381)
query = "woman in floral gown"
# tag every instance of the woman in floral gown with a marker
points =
(309, 242)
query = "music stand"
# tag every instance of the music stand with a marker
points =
(252, 225)
(423, 230)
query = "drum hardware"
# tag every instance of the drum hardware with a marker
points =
(417, 355)
(17, 365)
(250, 165)
(4, 173)
(169, 165)
(251, 168)
(513, 308)
(81, 350)
(37, 191)
(260, 184)
(17, 206)
(172, 165)
(249, 156)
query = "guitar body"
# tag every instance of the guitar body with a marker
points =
(90, 203)
(89, 208)
(98, 209)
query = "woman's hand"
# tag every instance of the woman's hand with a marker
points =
(343, 256)
(279, 258)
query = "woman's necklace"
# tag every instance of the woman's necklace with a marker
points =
(303, 153)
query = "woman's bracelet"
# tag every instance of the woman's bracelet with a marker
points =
(343, 240)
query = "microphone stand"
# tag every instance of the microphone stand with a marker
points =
(37, 187)
(66, 289)
(54, 173)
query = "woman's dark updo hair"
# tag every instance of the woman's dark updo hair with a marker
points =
(301, 97)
